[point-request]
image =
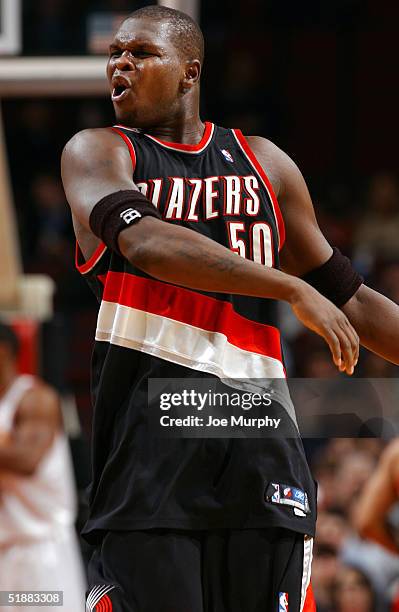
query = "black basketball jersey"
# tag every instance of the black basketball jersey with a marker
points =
(150, 329)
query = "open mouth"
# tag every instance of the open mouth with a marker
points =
(120, 92)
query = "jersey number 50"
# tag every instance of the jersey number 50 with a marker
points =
(256, 243)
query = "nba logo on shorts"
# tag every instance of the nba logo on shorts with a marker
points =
(283, 602)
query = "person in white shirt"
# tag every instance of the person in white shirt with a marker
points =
(38, 544)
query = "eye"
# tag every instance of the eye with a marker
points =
(142, 54)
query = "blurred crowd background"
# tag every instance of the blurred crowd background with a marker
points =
(319, 80)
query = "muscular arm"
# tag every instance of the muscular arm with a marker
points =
(96, 163)
(36, 421)
(377, 498)
(375, 317)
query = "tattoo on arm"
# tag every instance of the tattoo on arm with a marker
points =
(191, 253)
(194, 253)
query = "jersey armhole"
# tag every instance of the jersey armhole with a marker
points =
(129, 144)
(250, 155)
(84, 266)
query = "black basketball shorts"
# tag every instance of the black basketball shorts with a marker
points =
(224, 570)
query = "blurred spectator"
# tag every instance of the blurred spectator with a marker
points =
(38, 544)
(351, 474)
(353, 592)
(331, 532)
(343, 563)
(377, 235)
(381, 567)
(378, 498)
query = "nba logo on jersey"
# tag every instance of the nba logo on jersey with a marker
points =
(283, 602)
(227, 155)
(276, 494)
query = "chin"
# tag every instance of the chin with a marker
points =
(135, 119)
(130, 119)
(123, 116)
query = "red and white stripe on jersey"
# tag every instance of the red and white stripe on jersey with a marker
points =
(250, 155)
(87, 266)
(187, 328)
(307, 599)
(129, 144)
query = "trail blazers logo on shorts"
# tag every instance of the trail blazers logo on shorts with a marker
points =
(98, 600)
(283, 602)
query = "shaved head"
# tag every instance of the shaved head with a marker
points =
(184, 32)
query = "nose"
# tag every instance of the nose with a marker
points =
(124, 61)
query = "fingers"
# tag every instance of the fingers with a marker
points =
(322, 317)
(335, 348)
(347, 355)
(344, 345)
(354, 339)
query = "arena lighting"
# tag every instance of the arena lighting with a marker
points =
(10, 26)
(53, 76)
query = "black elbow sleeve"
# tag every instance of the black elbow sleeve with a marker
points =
(117, 211)
(336, 279)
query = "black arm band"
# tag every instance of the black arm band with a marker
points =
(336, 279)
(116, 212)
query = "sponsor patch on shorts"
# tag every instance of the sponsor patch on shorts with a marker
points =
(285, 495)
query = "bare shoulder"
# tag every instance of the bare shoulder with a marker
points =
(279, 166)
(41, 402)
(94, 164)
(91, 142)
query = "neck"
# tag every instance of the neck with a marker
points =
(187, 129)
(184, 125)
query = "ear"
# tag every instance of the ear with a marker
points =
(191, 75)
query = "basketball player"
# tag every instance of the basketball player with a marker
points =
(38, 544)
(181, 237)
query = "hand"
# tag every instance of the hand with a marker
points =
(321, 316)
